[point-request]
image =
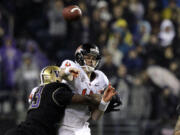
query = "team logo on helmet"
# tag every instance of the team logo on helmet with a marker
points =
(50, 74)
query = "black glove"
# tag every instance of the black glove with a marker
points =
(115, 102)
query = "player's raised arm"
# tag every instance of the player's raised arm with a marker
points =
(107, 96)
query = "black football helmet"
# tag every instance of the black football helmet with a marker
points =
(86, 49)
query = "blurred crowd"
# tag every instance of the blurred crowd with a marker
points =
(139, 40)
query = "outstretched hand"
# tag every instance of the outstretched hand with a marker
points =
(109, 93)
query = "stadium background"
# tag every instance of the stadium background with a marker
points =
(139, 40)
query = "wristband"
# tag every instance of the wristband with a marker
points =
(103, 105)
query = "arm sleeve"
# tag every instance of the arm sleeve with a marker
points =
(62, 96)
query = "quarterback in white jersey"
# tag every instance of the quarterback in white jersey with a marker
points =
(89, 81)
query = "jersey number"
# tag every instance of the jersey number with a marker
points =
(36, 98)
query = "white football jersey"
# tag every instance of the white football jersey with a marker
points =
(77, 115)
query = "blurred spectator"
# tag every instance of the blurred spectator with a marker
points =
(155, 20)
(121, 26)
(108, 65)
(10, 62)
(37, 55)
(3, 26)
(174, 67)
(27, 77)
(133, 62)
(168, 57)
(57, 25)
(137, 8)
(84, 7)
(152, 6)
(140, 100)
(104, 27)
(122, 84)
(85, 30)
(117, 12)
(142, 54)
(104, 10)
(1, 72)
(120, 38)
(143, 33)
(96, 17)
(166, 33)
(95, 24)
(11, 59)
(153, 50)
(129, 16)
(176, 41)
(167, 104)
(170, 3)
(102, 40)
(102, 33)
(113, 3)
(117, 47)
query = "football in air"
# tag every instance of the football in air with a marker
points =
(72, 13)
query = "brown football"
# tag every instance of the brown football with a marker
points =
(71, 13)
